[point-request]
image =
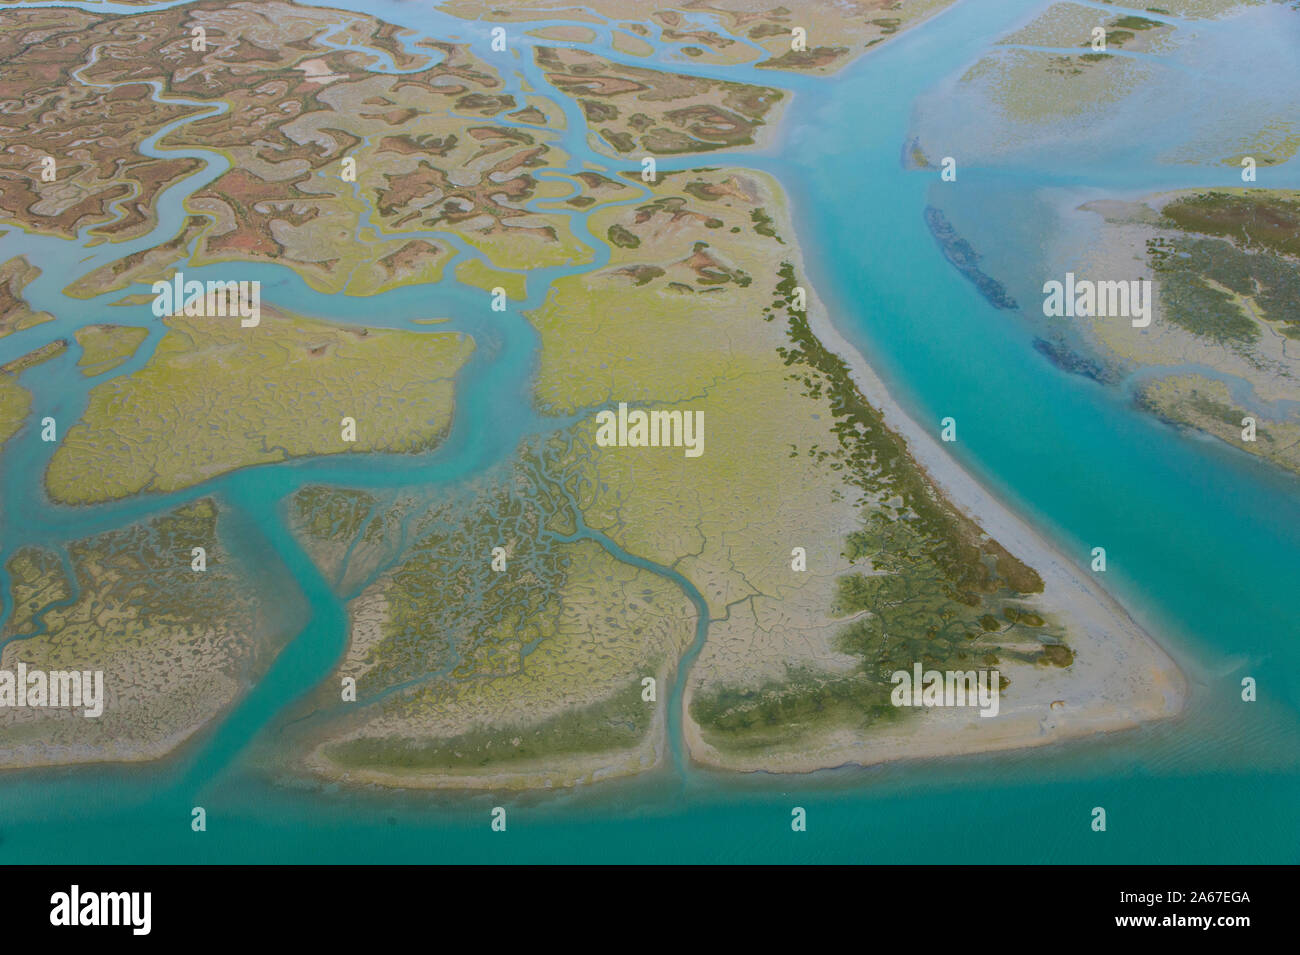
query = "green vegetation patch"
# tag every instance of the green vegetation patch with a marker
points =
(1257, 221)
(618, 723)
(779, 712)
(622, 237)
(1217, 410)
(1131, 22)
(1203, 283)
(597, 112)
(764, 225)
(621, 141)
(804, 59)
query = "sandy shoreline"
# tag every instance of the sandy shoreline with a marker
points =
(1121, 676)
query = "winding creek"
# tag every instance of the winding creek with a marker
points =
(1206, 542)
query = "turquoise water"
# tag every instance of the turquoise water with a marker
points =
(1204, 544)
